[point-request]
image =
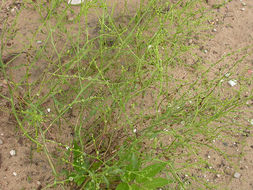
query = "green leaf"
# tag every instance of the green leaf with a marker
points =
(106, 181)
(122, 186)
(134, 162)
(155, 183)
(150, 171)
(135, 187)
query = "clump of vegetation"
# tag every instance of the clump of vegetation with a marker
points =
(109, 94)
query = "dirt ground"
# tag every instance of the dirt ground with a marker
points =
(28, 169)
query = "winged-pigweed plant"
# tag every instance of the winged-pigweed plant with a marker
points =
(121, 116)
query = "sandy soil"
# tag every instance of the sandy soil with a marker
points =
(28, 169)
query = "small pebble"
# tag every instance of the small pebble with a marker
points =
(232, 82)
(12, 152)
(39, 42)
(1, 142)
(48, 110)
(70, 19)
(218, 175)
(205, 51)
(14, 173)
(243, 9)
(215, 30)
(227, 75)
(150, 46)
(75, 2)
(209, 156)
(2, 134)
(13, 11)
(244, 4)
(135, 130)
(237, 175)
(38, 183)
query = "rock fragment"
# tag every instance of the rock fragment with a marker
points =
(237, 175)
(12, 152)
(232, 82)
(75, 2)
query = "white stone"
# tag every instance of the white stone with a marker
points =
(48, 110)
(150, 46)
(12, 152)
(1, 142)
(244, 4)
(135, 130)
(237, 175)
(232, 82)
(75, 2)
(15, 173)
(251, 121)
(243, 9)
(13, 11)
(215, 30)
(39, 42)
(218, 175)
(205, 51)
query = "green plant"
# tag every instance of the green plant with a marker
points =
(121, 115)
